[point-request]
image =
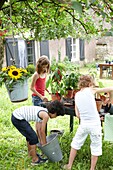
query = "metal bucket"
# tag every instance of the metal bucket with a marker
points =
(52, 149)
(56, 131)
(19, 92)
(108, 128)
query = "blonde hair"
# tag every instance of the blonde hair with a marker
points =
(86, 81)
(43, 60)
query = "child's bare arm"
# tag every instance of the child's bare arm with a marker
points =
(77, 112)
(103, 90)
(45, 118)
(38, 127)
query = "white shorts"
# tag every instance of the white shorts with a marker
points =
(95, 135)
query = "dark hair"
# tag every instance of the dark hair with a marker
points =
(43, 60)
(56, 107)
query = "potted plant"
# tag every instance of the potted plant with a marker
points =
(71, 83)
(15, 80)
(57, 90)
(54, 82)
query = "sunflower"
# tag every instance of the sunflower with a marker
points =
(11, 67)
(14, 73)
(4, 69)
(23, 70)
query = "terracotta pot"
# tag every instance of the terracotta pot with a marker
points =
(69, 94)
(74, 92)
(55, 97)
(98, 104)
(111, 97)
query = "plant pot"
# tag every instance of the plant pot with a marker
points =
(19, 92)
(55, 97)
(111, 97)
(69, 94)
(74, 92)
(98, 104)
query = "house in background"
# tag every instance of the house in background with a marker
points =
(104, 48)
(28, 52)
(77, 50)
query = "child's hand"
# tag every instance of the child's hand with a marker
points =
(44, 144)
(105, 100)
(102, 118)
(45, 99)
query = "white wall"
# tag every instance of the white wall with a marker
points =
(55, 46)
(90, 50)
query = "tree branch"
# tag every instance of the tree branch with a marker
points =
(83, 25)
(2, 3)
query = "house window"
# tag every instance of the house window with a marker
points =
(30, 52)
(73, 52)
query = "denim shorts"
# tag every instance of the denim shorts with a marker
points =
(26, 130)
(36, 101)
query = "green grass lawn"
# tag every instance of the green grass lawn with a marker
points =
(13, 149)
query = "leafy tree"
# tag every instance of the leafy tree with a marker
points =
(50, 19)
(1, 52)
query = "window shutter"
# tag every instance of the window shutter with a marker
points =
(81, 44)
(44, 48)
(11, 51)
(68, 48)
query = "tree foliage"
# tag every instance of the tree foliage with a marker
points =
(1, 53)
(50, 19)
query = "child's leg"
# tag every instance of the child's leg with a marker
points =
(72, 156)
(93, 162)
(32, 152)
(96, 145)
(28, 149)
(26, 130)
(77, 142)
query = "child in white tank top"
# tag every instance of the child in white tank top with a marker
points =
(86, 111)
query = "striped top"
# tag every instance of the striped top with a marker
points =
(29, 113)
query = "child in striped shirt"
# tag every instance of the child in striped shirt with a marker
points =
(23, 115)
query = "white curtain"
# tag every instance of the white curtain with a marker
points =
(22, 53)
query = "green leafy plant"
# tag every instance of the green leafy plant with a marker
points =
(71, 80)
(54, 81)
(30, 68)
(11, 75)
(55, 84)
(57, 65)
(70, 66)
(55, 18)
